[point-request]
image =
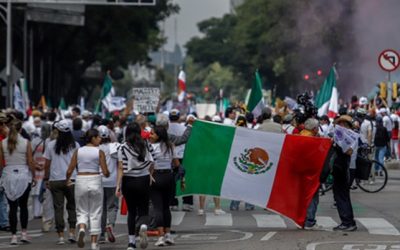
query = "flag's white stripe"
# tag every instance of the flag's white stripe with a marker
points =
(269, 221)
(241, 185)
(323, 110)
(333, 103)
(258, 108)
(326, 221)
(177, 218)
(378, 226)
(268, 236)
(218, 220)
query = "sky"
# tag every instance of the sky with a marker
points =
(191, 12)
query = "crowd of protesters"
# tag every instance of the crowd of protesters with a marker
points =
(84, 163)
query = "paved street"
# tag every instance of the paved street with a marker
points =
(377, 218)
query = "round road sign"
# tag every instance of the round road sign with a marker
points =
(389, 60)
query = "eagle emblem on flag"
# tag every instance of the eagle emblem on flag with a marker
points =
(253, 161)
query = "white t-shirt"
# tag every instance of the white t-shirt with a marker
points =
(366, 126)
(229, 121)
(59, 162)
(387, 123)
(162, 158)
(112, 163)
(178, 130)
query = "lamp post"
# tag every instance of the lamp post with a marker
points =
(9, 55)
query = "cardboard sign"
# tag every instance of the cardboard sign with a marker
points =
(145, 100)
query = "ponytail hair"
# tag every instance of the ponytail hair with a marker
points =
(135, 140)
(15, 127)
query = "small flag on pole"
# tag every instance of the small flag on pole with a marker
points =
(256, 100)
(181, 86)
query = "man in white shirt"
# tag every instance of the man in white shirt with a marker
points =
(230, 116)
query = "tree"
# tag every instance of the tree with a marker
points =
(281, 38)
(113, 36)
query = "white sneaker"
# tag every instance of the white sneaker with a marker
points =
(200, 212)
(219, 212)
(187, 208)
(174, 208)
(14, 240)
(61, 241)
(314, 227)
(25, 238)
(168, 239)
(143, 241)
(71, 238)
(81, 238)
(160, 242)
(94, 246)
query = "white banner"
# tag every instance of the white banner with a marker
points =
(345, 138)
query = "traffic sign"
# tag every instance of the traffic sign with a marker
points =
(389, 60)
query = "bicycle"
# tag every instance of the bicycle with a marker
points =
(376, 182)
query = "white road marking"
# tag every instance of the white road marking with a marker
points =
(218, 220)
(268, 236)
(177, 218)
(326, 222)
(269, 221)
(378, 226)
(314, 245)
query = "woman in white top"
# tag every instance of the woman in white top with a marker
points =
(135, 164)
(18, 174)
(58, 155)
(110, 206)
(161, 190)
(88, 189)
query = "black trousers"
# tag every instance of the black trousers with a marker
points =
(136, 191)
(341, 193)
(22, 203)
(161, 193)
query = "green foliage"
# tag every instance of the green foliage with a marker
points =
(283, 39)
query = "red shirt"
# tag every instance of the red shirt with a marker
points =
(395, 134)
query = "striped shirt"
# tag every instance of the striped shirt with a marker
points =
(130, 162)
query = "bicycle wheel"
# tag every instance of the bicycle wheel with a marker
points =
(377, 179)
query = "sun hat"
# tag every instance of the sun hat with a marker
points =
(345, 118)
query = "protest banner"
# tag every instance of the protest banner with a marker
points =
(145, 100)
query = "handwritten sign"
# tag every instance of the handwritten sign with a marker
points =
(145, 99)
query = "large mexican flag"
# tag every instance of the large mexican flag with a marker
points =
(275, 171)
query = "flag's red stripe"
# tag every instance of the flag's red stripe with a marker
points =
(297, 176)
(182, 85)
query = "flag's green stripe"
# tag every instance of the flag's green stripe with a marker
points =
(206, 157)
(256, 93)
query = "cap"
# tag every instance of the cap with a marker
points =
(3, 117)
(103, 131)
(363, 100)
(361, 111)
(216, 118)
(174, 114)
(382, 110)
(63, 126)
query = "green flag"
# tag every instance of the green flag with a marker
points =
(62, 105)
(106, 94)
(256, 100)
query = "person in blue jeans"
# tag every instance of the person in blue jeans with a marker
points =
(4, 226)
(381, 141)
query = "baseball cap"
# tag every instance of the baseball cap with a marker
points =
(103, 131)
(63, 126)
(174, 114)
(363, 100)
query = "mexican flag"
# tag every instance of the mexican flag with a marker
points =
(107, 93)
(256, 100)
(327, 97)
(275, 171)
(181, 86)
